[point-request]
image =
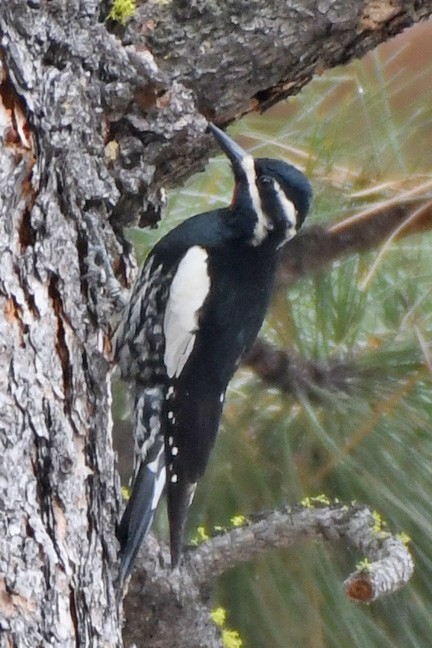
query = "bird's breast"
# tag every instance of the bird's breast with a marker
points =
(240, 291)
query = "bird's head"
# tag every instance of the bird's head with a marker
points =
(271, 197)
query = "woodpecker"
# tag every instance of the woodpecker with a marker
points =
(195, 310)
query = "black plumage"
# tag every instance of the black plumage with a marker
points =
(195, 309)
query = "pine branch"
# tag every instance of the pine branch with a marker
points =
(312, 252)
(293, 375)
(167, 599)
(316, 247)
(386, 567)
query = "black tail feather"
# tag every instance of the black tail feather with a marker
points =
(179, 494)
(139, 512)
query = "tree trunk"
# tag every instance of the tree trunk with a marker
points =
(92, 128)
(59, 489)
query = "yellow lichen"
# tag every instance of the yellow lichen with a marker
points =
(201, 535)
(404, 537)
(365, 565)
(219, 616)
(378, 522)
(122, 10)
(231, 639)
(125, 491)
(238, 520)
(311, 502)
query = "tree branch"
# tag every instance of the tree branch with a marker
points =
(182, 594)
(247, 56)
(220, 61)
(293, 375)
(387, 563)
(312, 252)
(315, 248)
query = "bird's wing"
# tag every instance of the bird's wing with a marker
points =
(152, 345)
(189, 288)
(139, 339)
(138, 349)
(188, 292)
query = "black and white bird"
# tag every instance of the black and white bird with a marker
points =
(195, 309)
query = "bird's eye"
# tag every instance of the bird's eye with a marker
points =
(264, 180)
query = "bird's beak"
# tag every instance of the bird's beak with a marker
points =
(240, 160)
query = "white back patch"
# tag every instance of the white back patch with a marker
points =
(262, 224)
(189, 288)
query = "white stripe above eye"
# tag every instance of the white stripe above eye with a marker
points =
(189, 288)
(262, 224)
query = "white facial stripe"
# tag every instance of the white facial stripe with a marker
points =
(188, 291)
(261, 227)
(288, 209)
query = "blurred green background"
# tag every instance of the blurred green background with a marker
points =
(362, 133)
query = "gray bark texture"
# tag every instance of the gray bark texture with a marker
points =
(95, 120)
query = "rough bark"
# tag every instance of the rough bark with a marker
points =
(92, 128)
(222, 60)
(242, 55)
(59, 490)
